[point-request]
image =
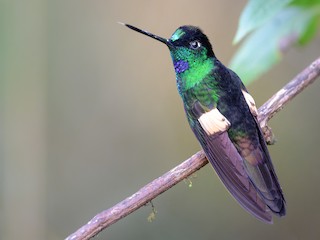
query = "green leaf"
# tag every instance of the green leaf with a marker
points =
(305, 3)
(310, 31)
(265, 46)
(256, 13)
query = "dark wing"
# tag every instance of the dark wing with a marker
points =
(229, 166)
(259, 165)
(262, 174)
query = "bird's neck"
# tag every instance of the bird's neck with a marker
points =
(192, 72)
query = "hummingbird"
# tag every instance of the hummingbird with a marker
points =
(223, 117)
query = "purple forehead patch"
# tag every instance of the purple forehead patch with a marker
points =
(181, 66)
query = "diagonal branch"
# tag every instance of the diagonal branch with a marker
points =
(156, 187)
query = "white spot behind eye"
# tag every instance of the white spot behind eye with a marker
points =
(195, 44)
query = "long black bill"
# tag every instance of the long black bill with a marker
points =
(163, 40)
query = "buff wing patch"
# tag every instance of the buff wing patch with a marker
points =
(251, 103)
(214, 122)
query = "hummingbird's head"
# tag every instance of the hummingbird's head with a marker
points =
(190, 50)
(192, 40)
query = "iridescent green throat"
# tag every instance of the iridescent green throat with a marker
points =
(196, 67)
(196, 73)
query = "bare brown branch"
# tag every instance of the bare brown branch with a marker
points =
(193, 164)
(289, 91)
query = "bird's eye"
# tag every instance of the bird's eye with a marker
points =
(195, 44)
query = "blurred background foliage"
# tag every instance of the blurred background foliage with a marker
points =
(90, 113)
(277, 25)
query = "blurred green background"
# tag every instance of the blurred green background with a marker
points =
(90, 113)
